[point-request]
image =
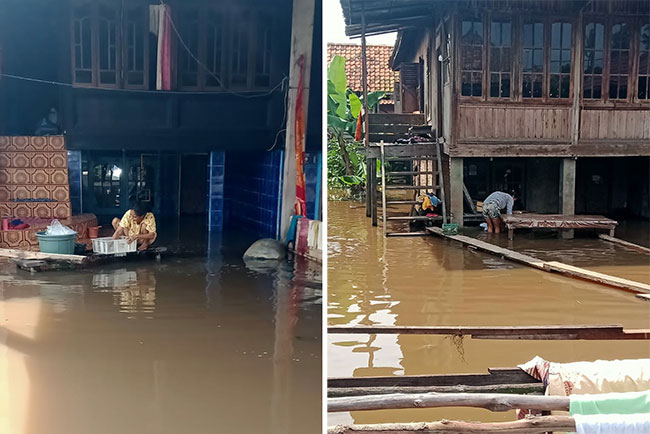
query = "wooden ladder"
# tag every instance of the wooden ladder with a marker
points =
(425, 176)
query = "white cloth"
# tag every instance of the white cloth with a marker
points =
(613, 423)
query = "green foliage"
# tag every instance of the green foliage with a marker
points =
(345, 163)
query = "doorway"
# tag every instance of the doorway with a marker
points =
(194, 184)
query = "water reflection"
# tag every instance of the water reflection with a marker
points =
(197, 345)
(429, 281)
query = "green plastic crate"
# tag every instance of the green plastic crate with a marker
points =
(450, 228)
(62, 244)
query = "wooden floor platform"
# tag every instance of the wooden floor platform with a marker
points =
(557, 221)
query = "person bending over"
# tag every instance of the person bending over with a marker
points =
(137, 224)
(493, 205)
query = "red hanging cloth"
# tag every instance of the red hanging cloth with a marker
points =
(299, 131)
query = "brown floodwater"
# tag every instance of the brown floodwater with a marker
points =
(430, 281)
(187, 345)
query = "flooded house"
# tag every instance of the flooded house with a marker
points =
(184, 105)
(549, 99)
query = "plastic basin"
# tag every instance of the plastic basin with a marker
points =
(62, 244)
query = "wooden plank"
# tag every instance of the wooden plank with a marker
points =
(391, 129)
(561, 332)
(537, 424)
(643, 297)
(395, 118)
(624, 243)
(402, 150)
(550, 148)
(24, 254)
(605, 279)
(522, 389)
(489, 401)
(495, 376)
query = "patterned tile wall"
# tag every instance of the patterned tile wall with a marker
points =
(74, 180)
(216, 179)
(253, 191)
(34, 168)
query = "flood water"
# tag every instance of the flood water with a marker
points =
(187, 345)
(416, 281)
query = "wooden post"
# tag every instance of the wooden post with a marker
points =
(568, 191)
(301, 44)
(456, 186)
(366, 136)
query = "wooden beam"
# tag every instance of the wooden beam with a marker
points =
(530, 425)
(520, 389)
(489, 401)
(624, 243)
(559, 332)
(24, 254)
(605, 279)
(643, 296)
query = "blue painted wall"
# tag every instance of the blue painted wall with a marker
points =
(313, 165)
(253, 189)
(216, 192)
(74, 180)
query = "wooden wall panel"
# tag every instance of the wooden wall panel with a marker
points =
(494, 122)
(615, 124)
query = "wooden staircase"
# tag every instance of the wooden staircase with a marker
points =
(425, 178)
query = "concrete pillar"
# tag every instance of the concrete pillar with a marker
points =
(216, 177)
(302, 32)
(456, 190)
(568, 191)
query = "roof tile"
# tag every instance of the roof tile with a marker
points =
(380, 76)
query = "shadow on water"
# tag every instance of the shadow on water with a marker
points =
(412, 281)
(201, 345)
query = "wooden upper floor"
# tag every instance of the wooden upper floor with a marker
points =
(228, 63)
(533, 78)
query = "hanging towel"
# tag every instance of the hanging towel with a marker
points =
(610, 403)
(613, 423)
(160, 24)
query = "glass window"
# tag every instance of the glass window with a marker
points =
(263, 51)
(135, 46)
(82, 44)
(644, 63)
(619, 60)
(472, 44)
(533, 62)
(107, 33)
(239, 53)
(500, 58)
(560, 63)
(189, 30)
(214, 48)
(594, 43)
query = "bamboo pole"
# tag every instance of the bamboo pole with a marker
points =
(525, 426)
(489, 401)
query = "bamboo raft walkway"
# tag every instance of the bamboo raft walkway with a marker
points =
(550, 266)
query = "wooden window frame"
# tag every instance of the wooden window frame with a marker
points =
(482, 17)
(634, 24)
(572, 60)
(229, 14)
(121, 46)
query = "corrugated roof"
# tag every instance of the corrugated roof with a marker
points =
(380, 76)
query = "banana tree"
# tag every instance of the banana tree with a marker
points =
(343, 111)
